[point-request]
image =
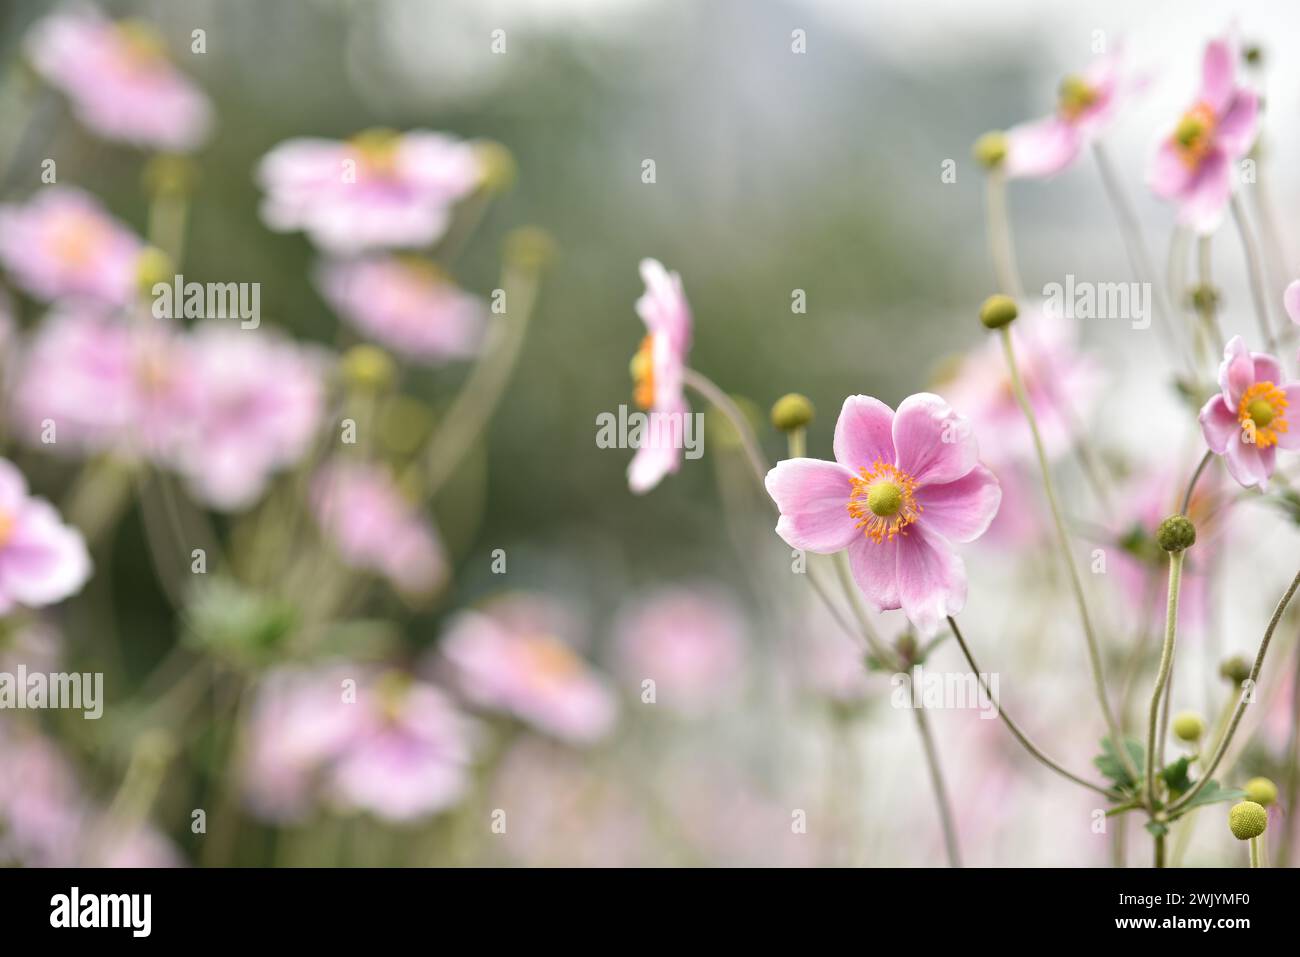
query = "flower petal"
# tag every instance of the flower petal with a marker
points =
(1218, 75)
(1237, 373)
(1238, 127)
(1218, 424)
(1290, 439)
(1250, 464)
(1207, 195)
(1042, 148)
(1168, 176)
(875, 569)
(931, 579)
(934, 445)
(1291, 299)
(962, 510)
(1267, 368)
(863, 433)
(812, 497)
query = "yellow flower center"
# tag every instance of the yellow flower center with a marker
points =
(1075, 97)
(1264, 407)
(142, 45)
(642, 369)
(76, 238)
(376, 150)
(882, 502)
(550, 660)
(6, 527)
(1193, 132)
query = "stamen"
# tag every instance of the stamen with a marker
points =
(643, 373)
(6, 527)
(1264, 407)
(882, 502)
(1194, 132)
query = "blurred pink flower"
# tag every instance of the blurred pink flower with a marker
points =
(62, 244)
(407, 304)
(690, 642)
(509, 659)
(104, 383)
(901, 489)
(378, 190)
(42, 560)
(1291, 299)
(1087, 104)
(346, 736)
(262, 402)
(828, 663)
(374, 527)
(33, 643)
(1247, 420)
(657, 371)
(1061, 382)
(40, 813)
(1193, 165)
(120, 81)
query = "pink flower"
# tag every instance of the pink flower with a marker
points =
(690, 642)
(100, 383)
(63, 244)
(901, 488)
(514, 663)
(341, 734)
(1291, 299)
(657, 371)
(40, 802)
(42, 560)
(1246, 421)
(407, 304)
(1087, 104)
(1061, 382)
(380, 189)
(262, 402)
(1193, 166)
(374, 527)
(121, 84)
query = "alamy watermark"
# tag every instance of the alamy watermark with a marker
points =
(945, 690)
(212, 300)
(1099, 300)
(77, 690)
(654, 429)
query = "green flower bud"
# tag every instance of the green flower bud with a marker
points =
(1235, 669)
(529, 246)
(152, 267)
(990, 149)
(1262, 791)
(1189, 726)
(792, 411)
(998, 310)
(1176, 533)
(496, 165)
(368, 367)
(1247, 820)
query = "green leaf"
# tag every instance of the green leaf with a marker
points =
(1175, 777)
(1212, 793)
(1109, 764)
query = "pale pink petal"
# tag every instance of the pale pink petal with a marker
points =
(962, 510)
(1042, 148)
(1237, 373)
(663, 307)
(931, 579)
(1238, 127)
(1218, 424)
(863, 433)
(813, 497)
(1291, 299)
(875, 569)
(1218, 75)
(1168, 176)
(1206, 198)
(1267, 368)
(1248, 463)
(649, 466)
(934, 445)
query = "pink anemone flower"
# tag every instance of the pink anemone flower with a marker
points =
(120, 82)
(1086, 105)
(903, 486)
(42, 560)
(657, 372)
(1193, 165)
(406, 304)
(63, 244)
(381, 189)
(1247, 420)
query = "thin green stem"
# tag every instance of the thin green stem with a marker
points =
(1014, 728)
(940, 789)
(710, 392)
(1247, 693)
(1063, 540)
(878, 648)
(999, 236)
(1256, 273)
(1255, 860)
(1191, 485)
(1162, 675)
(1160, 850)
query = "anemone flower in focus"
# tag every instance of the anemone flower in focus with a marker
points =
(120, 82)
(903, 486)
(689, 641)
(381, 189)
(1249, 418)
(407, 304)
(1086, 105)
(374, 527)
(63, 244)
(1193, 165)
(262, 402)
(509, 659)
(657, 371)
(42, 560)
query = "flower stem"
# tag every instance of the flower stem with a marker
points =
(878, 648)
(1063, 540)
(1019, 735)
(710, 392)
(999, 236)
(1191, 485)
(1254, 853)
(1160, 850)
(1256, 273)
(1243, 700)
(1293, 770)
(1162, 675)
(940, 791)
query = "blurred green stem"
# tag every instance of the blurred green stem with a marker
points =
(940, 790)
(722, 402)
(1255, 270)
(1162, 675)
